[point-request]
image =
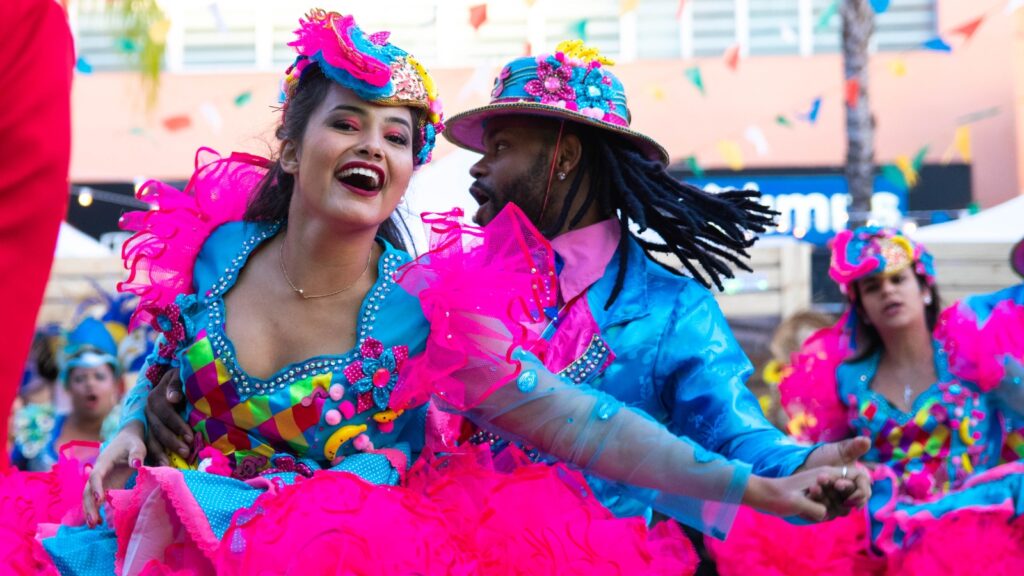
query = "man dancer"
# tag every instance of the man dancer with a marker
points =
(555, 140)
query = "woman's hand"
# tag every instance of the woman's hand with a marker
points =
(124, 454)
(814, 495)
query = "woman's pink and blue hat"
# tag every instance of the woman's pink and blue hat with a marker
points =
(871, 250)
(376, 70)
(573, 84)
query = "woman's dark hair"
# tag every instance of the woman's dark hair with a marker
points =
(701, 229)
(867, 338)
(274, 192)
(43, 355)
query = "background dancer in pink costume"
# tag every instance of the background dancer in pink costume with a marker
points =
(939, 394)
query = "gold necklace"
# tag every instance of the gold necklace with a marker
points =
(302, 293)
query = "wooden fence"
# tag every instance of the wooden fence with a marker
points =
(779, 285)
(964, 269)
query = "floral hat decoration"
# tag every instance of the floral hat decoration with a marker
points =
(573, 84)
(871, 250)
(376, 70)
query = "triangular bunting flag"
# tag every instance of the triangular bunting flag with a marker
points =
(826, 16)
(695, 78)
(82, 65)
(967, 30)
(732, 154)
(691, 161)
(477, 16)
(175, 123)
(918, 161)
(627, 6)
(879, 6)
(852, 92)
(909, 174)
(732, 56)
(962, 141)
(579, 29)
(894, 175)
(755, 136)
(937, 44)
(812, 114)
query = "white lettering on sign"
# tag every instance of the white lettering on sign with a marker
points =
(820, 213)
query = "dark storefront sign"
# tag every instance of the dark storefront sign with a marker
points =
(813, 202)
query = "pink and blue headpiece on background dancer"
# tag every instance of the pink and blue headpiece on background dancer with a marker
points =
(376, 70)
(871, 250)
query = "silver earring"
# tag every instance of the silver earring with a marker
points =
(561, 175)
(927, 299)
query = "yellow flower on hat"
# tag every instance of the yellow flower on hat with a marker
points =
(577, 50)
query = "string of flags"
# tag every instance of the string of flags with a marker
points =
(904, 170)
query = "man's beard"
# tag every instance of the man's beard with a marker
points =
(528, 192)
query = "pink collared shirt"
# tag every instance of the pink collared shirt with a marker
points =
(585, 253)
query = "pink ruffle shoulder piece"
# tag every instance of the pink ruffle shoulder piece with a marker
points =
(767, 545)
(34, 503)
(161, 254)
(481, 289)
(978, 350)
(809, 390)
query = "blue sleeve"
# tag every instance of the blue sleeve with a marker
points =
(134, 404)
(217, 250)
(702, 373)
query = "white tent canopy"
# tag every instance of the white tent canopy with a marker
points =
(1003, 223)
(73, 243)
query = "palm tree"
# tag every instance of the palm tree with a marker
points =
(858, 25)
(142, 25)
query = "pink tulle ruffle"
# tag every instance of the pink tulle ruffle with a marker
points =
(978, 351)
(457, 515)
(160, 255)
(483, 290)
(964, 542)
(31, 500)
(809, 391)
(766, 545)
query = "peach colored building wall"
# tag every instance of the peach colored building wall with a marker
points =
(117, 139)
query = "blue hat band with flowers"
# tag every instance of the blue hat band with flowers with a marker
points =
(558, 81)
(573, 84)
